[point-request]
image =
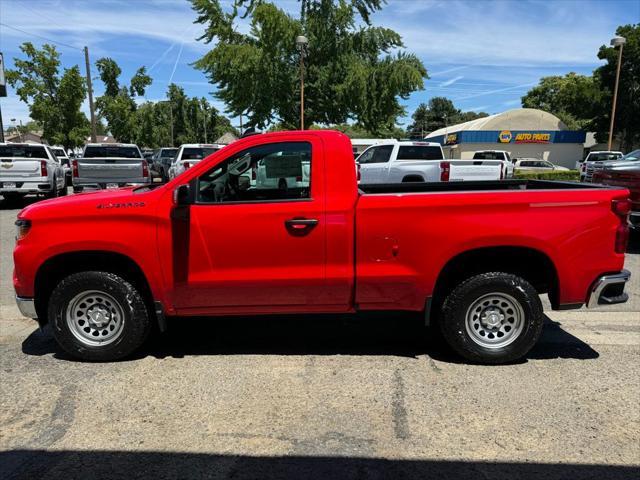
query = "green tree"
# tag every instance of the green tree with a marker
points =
(118, 106)
(438, 113)
(627, 121)
(350, 72)
(574, 99)
(54, 100)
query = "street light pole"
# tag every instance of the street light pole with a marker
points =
(301, 45)
(615, 42)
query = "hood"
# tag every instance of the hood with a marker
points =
(76, 204)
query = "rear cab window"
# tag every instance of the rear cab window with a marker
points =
(23, 151)
(420, 152)
(488, 156)
(111, 152)
(197, 153)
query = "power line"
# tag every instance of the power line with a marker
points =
(39, 36)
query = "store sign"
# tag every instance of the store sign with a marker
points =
(505, 136)
(533, 138)
(451, 139)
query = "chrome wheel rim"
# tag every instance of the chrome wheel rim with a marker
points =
(95, 318)
(494, 320)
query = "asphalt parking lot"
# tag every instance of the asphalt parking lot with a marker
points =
(362, 397)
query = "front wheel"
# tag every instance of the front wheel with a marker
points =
(492, 318)
(98, 316)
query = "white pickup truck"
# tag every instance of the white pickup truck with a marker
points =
(502, 155)
(393, 161)
(109, 165)
(27, 168)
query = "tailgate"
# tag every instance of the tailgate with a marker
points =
(19, 168)
(475, 170)
(107, 169)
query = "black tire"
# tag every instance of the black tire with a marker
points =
(135, 321)
(77, 189)
(54, 189)
(456, 307)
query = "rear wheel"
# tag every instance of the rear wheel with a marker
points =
(98, 316)
(54, 189)
(492, 318)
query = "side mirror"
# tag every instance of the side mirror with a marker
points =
(181, 195)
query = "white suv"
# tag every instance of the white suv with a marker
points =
(190, 154)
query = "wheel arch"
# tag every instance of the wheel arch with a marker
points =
(531, 264)
(54, 269)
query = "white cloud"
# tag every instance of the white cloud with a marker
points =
(451, 81)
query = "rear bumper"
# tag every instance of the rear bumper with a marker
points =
(22, 186)
(609, 289)
(27, 307)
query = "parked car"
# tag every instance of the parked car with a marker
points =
(536, 165)
(393, 161)
(189, 155)
(162, 159)
(109, 165)
(476, 256)
(502, 155)
(624, 173)
(27, 168)
(65, 161)
(587, 165)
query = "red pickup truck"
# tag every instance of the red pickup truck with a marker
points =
(277, 223)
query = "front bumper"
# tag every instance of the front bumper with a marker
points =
(609, 289)
(27, 307)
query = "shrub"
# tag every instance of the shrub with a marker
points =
(552, 175)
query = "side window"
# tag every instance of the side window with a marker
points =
(366, 156)
(382, 154)
(275, 171)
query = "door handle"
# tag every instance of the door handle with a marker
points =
(300, 225)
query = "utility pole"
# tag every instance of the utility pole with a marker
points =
(94, 134)
(301, 45)
(615, 42)
(204, 108)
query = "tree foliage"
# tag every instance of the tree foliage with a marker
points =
(54, 100)
(574, 99)
(627, 120)
(350, 72)
(584, 102)
(438, 113)
(118, 105)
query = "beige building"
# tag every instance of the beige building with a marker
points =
(523, 132)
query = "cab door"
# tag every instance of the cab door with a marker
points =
(256, 245)
(374, 164)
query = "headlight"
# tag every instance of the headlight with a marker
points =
(22, 228)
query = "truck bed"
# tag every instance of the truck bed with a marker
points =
(490, 185)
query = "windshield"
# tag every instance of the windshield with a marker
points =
(23, 151)
(415, 152)
(602, 157)
(111, 152)
(197, 153)
(632, 156)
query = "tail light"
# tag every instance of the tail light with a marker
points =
(621, 207)
(445, 170)
(299, 178)
(187, 165)
(358, 174)
(254, 174)
(502, 168)
(43, 168)
(145, 169)
(74, 169)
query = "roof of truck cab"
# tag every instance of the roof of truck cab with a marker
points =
(201, 145)
(111, 145)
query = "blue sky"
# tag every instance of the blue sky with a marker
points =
(482, 54)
